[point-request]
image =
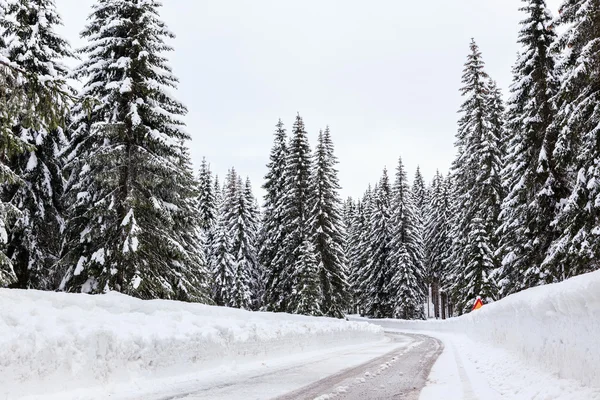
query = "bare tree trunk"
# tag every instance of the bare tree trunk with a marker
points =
(435, 294)
(443, 301)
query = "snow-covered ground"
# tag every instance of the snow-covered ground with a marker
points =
(73, 346)
(541, 343)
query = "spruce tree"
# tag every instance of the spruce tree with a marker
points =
(407, 283)
(348, 210)
(577, 152)
(37, 51)
(479, 188)
(295, 229)
(327, 229)
(131, 189)
(257, 273)
(306, 296)
(530, 175)
(378, 302)
(270, 238)
(358, 254)
(222, 261)
(438, 241)
(207, 206)
(243, 251)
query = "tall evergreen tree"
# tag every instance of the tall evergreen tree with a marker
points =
(271, 234)
(294, 208)
(207, 205)
(36, 50)
(407, 283)
(221, 259)
(131, 187)
(348, 210)
(243, 249)
(438, 241)
(306, 296)
(577, 150)
(257, 273)
(530, 177)
(359, 248)
(327, 230)
(378, 301)
(479, 188)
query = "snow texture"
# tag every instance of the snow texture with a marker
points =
(58, 342)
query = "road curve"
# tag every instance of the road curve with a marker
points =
(400, 374)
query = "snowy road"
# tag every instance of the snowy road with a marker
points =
(401, 365)
(401, 374)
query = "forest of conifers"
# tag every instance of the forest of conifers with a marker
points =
(98, 192)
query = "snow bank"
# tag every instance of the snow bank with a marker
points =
(554, 327)
(53, 342)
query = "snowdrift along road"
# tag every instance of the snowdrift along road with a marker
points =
(555, 328)
(53, 342)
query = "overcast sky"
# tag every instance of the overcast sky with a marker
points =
(383, 74)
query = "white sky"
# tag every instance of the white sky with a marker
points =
(384, 74)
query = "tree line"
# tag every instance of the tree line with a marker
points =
(98, 193)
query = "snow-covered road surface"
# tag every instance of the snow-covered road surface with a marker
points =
(471, 370)
(290, 378)
(400, 374)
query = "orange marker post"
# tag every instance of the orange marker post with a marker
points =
(478, 304)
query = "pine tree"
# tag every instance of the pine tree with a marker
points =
(348, 211)
(306, 295)
(533, 188)
(407, 284)
(294, 208)
(207, 207)
(378, 302)
(257, 273)
(222, 262)
(131, 187)
(327, 230)
(438, 241)
(577, 152)
(243, 251)
(10, 146)
(479, 188)
(36, 50)
(358, 253)
(270, 239)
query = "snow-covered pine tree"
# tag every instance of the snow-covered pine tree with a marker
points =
(37, 51)
(270, 238)
(448, 278)
(10, 146)
(577, 152)
(478, 186)
(327, 229)
(437, 238)
(243, 250)
(306, 297)
(529, 175)
(407, 284)
(348, 210)
(257, 273)
(207, 205)
(130, 184)
(221, 258)
(377, 301)
(295, 230)
(358, 253)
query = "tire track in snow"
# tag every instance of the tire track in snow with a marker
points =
(467, 388)
(400, 374)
